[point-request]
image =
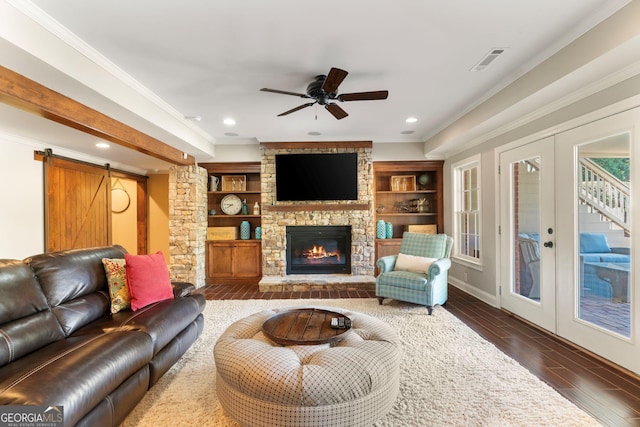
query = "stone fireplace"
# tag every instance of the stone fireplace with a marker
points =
(318, 249)
(277, 216)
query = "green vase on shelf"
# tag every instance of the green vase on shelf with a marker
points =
(388, 230)
(245, 230)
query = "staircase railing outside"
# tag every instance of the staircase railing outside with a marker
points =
(605, 193)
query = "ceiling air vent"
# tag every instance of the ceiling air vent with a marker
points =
(488, 58)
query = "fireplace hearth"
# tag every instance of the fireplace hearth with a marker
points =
(318, 249)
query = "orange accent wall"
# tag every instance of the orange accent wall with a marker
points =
(158, 191)
(124, 224)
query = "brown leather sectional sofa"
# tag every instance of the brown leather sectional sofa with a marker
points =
(61, 346)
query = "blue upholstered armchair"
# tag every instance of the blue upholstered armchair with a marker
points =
(418, 274)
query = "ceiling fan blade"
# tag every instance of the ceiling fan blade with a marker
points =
(293, 110)
(284, 92)
(333, 80)
(364, 96)
(337, 112)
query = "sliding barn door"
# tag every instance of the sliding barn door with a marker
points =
(77, 205)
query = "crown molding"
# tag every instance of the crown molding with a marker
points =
(549, 108)
(60, 32)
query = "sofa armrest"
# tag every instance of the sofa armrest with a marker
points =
(182, 289)
(386, 263)
(623, 251)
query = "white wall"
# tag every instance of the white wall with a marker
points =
(398, 151)
(237, 153)
(21, 187)
(478, 281)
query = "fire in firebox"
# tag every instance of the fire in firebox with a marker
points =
(318, 249)
(319, 253)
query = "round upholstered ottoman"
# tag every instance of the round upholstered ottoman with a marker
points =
(352, 382)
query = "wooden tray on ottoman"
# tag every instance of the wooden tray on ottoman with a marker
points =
(304, 326)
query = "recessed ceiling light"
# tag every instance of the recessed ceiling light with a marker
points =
(193, 118)
(411, 120)
(229, 121)
(230, 134)
(102, 145)
(314, 133)
(407, 132)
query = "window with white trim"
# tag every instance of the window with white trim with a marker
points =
(466, 208)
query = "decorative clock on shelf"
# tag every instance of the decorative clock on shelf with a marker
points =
(231, 204)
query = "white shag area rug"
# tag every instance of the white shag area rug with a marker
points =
(450, 376)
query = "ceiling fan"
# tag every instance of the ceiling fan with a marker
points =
(324, 89)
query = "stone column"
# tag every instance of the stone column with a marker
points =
(187, 223)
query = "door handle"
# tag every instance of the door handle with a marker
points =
(548, 244)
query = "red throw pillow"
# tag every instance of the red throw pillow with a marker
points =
(148, 279)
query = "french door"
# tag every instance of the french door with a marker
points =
(527, 232)
(566, 235)
(597, 232)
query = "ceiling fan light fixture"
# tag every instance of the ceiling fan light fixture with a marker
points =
(324, 89)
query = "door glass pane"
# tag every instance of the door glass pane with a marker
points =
(526, 223)
(604, 201)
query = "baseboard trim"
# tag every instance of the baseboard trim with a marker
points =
(483, 296)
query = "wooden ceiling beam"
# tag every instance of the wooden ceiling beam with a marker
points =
(23, 93)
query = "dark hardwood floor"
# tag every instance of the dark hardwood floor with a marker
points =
(610, 395)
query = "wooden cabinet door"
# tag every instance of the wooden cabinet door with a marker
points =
(247, 259)
(388, 247)
(233, 261)
(219, 260)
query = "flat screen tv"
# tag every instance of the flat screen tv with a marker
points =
(306, 177)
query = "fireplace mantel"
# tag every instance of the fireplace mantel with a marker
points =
(318, 207)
